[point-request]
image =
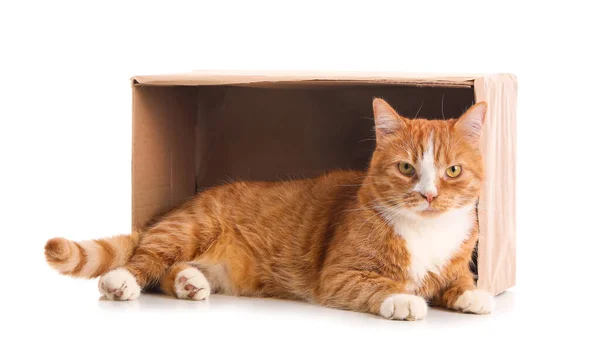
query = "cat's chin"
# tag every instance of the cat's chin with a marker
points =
(430, 212)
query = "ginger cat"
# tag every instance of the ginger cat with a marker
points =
(386, 241)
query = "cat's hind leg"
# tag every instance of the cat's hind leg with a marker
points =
(149, 263)
(185, 281)
(161, 255)
(143, 269)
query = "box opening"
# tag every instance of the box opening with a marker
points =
(189, 138)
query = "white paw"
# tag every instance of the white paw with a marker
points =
(191, 284)
(475, 301)
(119, 284)
(404, 307)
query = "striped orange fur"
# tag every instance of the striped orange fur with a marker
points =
(370, 241)
(92, 258)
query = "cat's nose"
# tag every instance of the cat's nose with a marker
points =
(429, 196)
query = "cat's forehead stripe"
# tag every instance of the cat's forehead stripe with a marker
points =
(426, 146)
(417, 144)
(433, 142)
(426, 169)
(429, 147)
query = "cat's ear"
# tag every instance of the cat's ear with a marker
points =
(387, 120)
(470, 124)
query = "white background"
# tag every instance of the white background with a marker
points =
(65, 131)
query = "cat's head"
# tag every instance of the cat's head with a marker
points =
(424, 167)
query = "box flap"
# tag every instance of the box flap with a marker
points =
(229, 77)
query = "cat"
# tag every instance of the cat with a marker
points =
(388, 241)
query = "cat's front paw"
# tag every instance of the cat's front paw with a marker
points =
(119, 284)
(475, 301)
(403, 307)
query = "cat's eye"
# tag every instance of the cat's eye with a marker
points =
(453, 171)
(406, 169)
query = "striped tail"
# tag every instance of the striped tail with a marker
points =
(92, 258)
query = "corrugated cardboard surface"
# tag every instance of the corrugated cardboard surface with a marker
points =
(247, 77)
(163, 149)
(200, 129)
(497, 204)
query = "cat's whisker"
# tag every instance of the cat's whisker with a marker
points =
(387, 223)
(407, 148)
(443, 117)
(374, 206)
(388, 198)
(363, 224)
(367, 139)
(378, 212)
(373, 183)
(418, 111)
(362, 208)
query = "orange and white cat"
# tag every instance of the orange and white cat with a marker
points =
(386, 241)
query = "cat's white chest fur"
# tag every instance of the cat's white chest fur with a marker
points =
(433, 241)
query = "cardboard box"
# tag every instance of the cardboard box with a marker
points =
(200, 129)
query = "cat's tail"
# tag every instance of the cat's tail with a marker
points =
(92, 258)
